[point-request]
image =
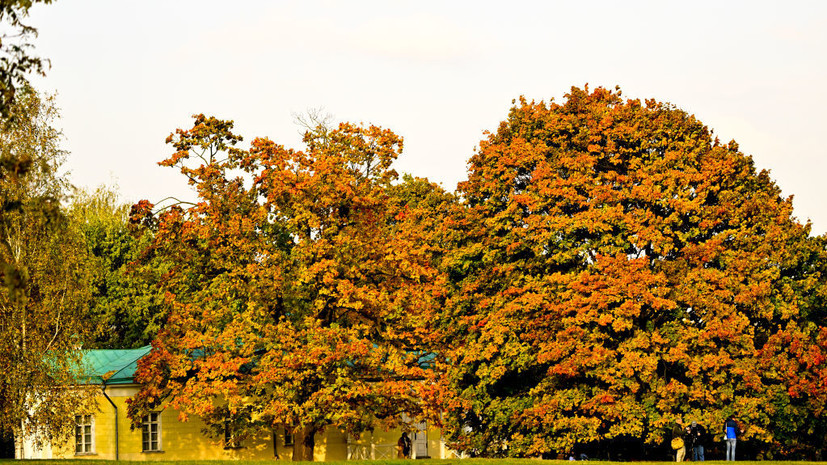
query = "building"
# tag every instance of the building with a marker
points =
(108, 434)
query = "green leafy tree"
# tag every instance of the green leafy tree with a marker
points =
(43, 303)
(125, 305)
(619, 267)
(294, 287)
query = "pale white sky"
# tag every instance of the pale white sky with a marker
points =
(436, 72)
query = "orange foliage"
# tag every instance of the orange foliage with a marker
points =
(296, 285)
(620, 268)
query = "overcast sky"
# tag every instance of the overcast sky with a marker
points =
(437, 73)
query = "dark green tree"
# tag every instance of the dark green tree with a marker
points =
(125, 303)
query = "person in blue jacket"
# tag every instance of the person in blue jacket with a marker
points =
(731, 433)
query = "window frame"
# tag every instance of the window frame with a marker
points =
(152, 419)
(82, 434)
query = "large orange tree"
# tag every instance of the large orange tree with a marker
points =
(619, 268)
(295, 286)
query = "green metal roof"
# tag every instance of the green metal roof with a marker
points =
(115, 366)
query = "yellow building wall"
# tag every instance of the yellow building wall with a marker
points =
(179, 440)
(186, 440)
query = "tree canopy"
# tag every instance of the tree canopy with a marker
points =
(124, 306)
(294, 287)
(16, 59)
(608, 267)
(620, 267)
(43, 317)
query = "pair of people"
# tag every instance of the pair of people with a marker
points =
(692, 436)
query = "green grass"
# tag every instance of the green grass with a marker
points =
(367, 462)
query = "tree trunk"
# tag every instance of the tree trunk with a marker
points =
(304, 442)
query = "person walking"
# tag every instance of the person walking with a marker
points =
(731, 433)
(698, 434)
(678, 444)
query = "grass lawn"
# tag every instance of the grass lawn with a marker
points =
(366, 462)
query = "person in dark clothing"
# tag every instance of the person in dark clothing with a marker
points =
(698, 435)
(731, 433)
(403, 447)
(687, 440)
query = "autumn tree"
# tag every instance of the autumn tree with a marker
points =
(796, 357)
(43, 302)
(294, 287)
(620, 267)
(124, 308)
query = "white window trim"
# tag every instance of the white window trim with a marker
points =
(92, 442)
(145, 423)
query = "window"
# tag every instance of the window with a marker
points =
(288, 437)
(84, 434)
(151, 429)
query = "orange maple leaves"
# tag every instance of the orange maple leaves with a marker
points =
(610, 266)
(294, 286)
(627, 269)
